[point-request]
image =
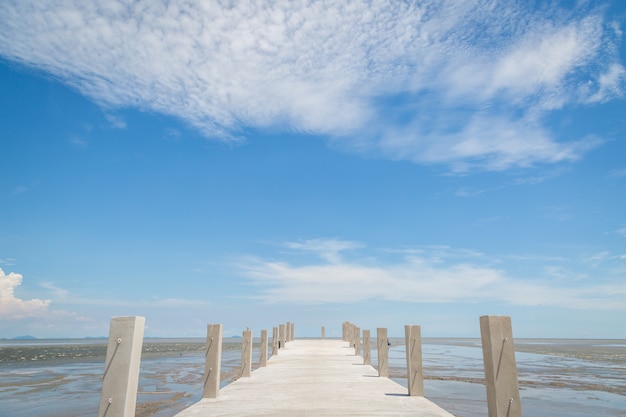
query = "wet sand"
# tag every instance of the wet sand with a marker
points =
(564, 377)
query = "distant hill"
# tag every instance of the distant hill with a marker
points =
(26, 337)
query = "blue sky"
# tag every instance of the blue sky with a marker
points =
(387, 163)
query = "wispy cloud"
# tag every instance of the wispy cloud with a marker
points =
(12, 307)
(617, 173)
(78, 141)
(115, 121)
(521, 181)
(561, 213)
(327, 249)
(58, 292)
(67, 297)
(466, 192)
(463, 83)
(422, 278)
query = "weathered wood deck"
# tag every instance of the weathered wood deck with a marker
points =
(315, 378)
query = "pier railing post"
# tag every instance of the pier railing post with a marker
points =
(383, 351)
(293, 331)
(274, 341)
(212, 361)
(288, 330)
(503, 397)
(351, 332)
(246, 353)
(415, 376)
(121, 370)
(281, 337)
(367, 349)
(323, 333)
(357, 341)
(263, 360)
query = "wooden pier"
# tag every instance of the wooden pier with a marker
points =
(315, 378)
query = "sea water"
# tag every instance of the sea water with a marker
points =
(558, 378)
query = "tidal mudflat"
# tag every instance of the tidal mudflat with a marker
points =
(558, 378)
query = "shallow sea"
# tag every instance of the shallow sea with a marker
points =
(558, 378)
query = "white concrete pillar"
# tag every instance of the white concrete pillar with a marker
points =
(121, 368)
(503, 399)
(349, 335)
(274, 341)
(413, 340)
(246, 353)
(281, 337)
(383, 351)
(367, 349)
(263, 361)
(212, 361)
(357, 341)
(351, 332)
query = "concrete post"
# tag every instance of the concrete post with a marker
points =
(121, 370)
(293, 331)
(274, 341)
(323, 333)
(288, 334)
(348, 336)
(212, 361)
(503, 399)
(357, 341)
(383, 351)
(344, 331)
(246, 353)
(263, 361)
(281, 337)
(351, 335)
(415, 376)
(367, 349)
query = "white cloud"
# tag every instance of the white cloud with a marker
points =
(474, 77)
(610, 84)
(545, 57)
(116, 121)
(11, 307)
(328, 249)
(422, 277)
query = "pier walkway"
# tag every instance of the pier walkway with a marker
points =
(314, 378)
